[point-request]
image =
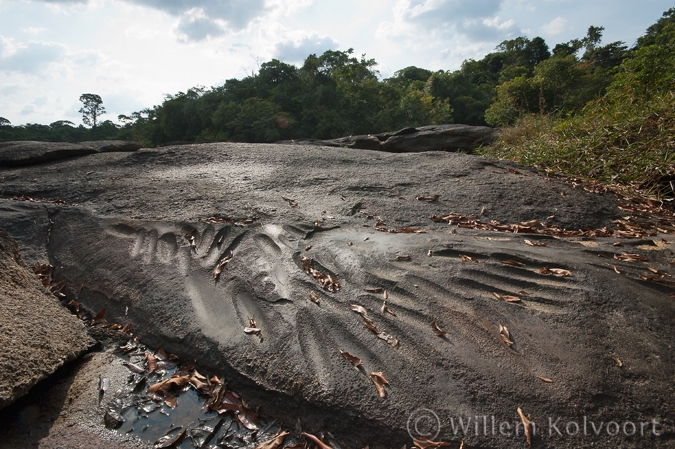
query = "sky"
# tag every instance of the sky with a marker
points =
(134, 52)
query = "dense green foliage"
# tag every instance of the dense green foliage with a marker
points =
(626, 136)
(584, 107)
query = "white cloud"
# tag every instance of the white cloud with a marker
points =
(555, 26)
(34, 30)
(297, 50)
(30, 58)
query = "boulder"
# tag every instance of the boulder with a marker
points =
(37, 334)
(415, 140)
(20, 153)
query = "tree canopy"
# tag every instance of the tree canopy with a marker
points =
(339, 93)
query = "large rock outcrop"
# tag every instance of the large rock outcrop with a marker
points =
(142, 233)
(37, 334)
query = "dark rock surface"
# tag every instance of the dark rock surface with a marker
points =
(145, 230)
(37, 335)
(20, 153)
(415, 140)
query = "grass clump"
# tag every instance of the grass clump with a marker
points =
(618, 142)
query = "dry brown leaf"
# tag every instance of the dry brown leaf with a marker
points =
(527, 425)
(437, 330)
(544, 270)
(403, 257)
(166, 384)
(630, 257)
(560, 272)
(385, 295)
(274, 443)
(424, 443)
(359, 309)
(616, 269)
(316, 441)
(531, 243)
(616, 244)
(380, 381)
(385, 308)
(373, 289)
(466, 258)
(314, 297)
(617, 360)
(252, 330)
(352, 358)
(505, 334)
(170, 400)
(152, 362)
(427, 198)
(545, 379)
(370, 325)
(515, 263)
(523, 292)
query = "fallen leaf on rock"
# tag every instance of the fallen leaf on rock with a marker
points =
(560, 272)
(616, 269)
(386, 309)
(373, 289)
(523, 292)
(616, 244)
(403, 257)
(484, 211)
(222, 263)
(152, 362)
(274, 443)
(544, 270)
(466, 258)
(545, 379)
(437, 330)
(115, 327)
(170, 438)
(314, 297)
(630, 257)
(360, 310)
(506, 336)
(385, 295)
(352, 358)
(407, 231)
(617, 360)
(427, 198)
(527, 425)
(507, 298)
(308, 247)
(370, 325)
(290, 202)
(170, 400)
(133, 367)
(531, 243)
(512, 262)
(424, 443)
(252, 330)
(380, 381)
(316, 441)
(390, 339)
(325, 280)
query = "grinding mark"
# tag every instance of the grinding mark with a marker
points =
(267, 245)
(206, 240)
(214, 253)
(317, 348)
(167, 248)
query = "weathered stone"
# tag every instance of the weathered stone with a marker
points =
(145, 231)
(37, 334)
(415, 140)
(21, 153)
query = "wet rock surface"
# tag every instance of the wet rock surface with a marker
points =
(142, 233)
(37, 335)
